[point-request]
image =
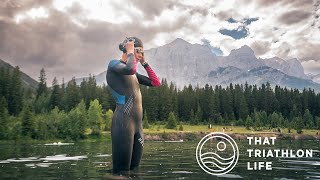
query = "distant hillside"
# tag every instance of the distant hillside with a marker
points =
(27, 81)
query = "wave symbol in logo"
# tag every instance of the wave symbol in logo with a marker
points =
(217, 153)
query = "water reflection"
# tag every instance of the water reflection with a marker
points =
(161, 160)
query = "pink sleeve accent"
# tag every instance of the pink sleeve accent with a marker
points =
(153, 77)
(134, 70)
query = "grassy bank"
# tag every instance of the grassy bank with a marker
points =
(189, 133)
(155, 129)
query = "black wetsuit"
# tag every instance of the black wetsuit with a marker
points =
(126, 131)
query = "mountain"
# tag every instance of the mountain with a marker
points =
(27, 81)
(185, 63)
(100, 79)
(290, 67)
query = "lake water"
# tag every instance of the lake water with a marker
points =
(161, 160)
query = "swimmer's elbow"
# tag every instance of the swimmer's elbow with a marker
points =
(132, 71)
(156, 83)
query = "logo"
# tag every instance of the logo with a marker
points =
(217, 153)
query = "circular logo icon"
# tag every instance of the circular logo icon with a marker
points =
(217, 153)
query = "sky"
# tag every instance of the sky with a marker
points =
(73, 38)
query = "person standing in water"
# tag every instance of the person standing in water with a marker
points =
(123, 82)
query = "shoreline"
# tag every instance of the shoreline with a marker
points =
(193, 136)
(179, 136)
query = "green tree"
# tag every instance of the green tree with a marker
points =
(95, 117)
(288, 125)
(180, 127)
(74, 126)
(3, 118)
(41, 104)
(298, 122)
(172, 121)
(248, 122)
(27, 123)
(72, 94)
(109, 115)
(145, 120)
(42, 86)
(15, 97)
(198, 115)
(54, 119)
(42, 131)
(55, 98)
(243, 108)
(308, 119)
(257, 120)
(318, 122)
(275, 120)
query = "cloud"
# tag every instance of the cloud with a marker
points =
(311, 66)
(294, 16)
(9, 8)
(307, 52)
(152, 9)
(279, 3)
(66, 49)
(260, 47)
(80, 37)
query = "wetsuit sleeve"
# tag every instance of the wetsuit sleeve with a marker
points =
(152, 80)
(128, 68)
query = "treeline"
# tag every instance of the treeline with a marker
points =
(244, 105)
(71, 111)
(60, 112)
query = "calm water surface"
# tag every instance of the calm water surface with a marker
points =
(161, 160)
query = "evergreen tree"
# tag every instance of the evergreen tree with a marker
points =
(248, 122)
(55, 98)
(226, 103)
(42, 86)
(72, 94)
(270, 104)
(5, 79)
(243, 112)
(294, 112)
(15, 93)
(257, 120)
(3, 118)
(145, 120)
(275, 119)
(298, 124)
(198, 116)
(172, 122)
(150, 101)
(318, 122)
(41, 104)
(237, 100)
(104, 97)
(165, 100)
(288, 125)
(308, 119)
(180, 127)
(192, 117)
(27, 129)
(264, 118)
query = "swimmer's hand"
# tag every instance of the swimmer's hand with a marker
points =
(130, 47)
